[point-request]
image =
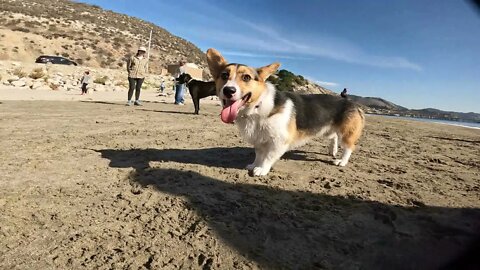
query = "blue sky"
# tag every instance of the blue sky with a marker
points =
(414, 53)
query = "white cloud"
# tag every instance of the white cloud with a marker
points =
(253, 39)
(273, 35)
(259, 55)
(323, 83)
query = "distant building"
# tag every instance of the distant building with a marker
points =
(192, 69)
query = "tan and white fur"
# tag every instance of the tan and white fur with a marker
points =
(275, 122)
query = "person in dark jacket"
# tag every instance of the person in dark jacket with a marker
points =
(344, 93)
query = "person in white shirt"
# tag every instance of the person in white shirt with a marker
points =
(85, 81)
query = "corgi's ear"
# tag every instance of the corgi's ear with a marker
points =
(266, 71)
(216, 62)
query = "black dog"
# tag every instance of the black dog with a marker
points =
(197, 89)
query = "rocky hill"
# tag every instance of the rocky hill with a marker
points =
(66, 78)
(86, 34)
(376, 103)
(445, 115)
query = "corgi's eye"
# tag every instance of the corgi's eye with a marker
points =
(224, 75)
(246, 78)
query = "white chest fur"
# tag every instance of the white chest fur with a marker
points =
(258, 128)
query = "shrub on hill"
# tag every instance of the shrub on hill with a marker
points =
(285, 80)
(101, 80)
(37, 73)
(19, 72)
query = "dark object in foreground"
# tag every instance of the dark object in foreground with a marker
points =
(198, 89)
(43, 59)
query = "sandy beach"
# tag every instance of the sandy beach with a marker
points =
(25, 94)
(88, 183)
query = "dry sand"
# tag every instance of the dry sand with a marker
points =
(97, 185)
(23, 93)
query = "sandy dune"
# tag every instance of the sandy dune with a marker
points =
(94, 184)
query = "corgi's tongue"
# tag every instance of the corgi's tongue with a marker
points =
(230, 111)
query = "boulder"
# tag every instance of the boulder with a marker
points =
(54, 81)
(37, 84)
(29, 83)
(13, 78)
(54, 86)
(99, 87)
(70, 87)
(18, 83)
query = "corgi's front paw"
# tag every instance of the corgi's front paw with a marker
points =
(260, 171)
(250, 166)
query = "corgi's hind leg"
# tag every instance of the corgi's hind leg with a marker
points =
(350, 132)
(333, 147)
(347, 152)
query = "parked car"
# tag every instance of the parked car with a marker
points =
(54, 60)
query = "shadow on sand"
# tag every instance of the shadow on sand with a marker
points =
(140, 108)
(282, 229)
(221, 157)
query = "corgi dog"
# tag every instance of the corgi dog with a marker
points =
(277, 121)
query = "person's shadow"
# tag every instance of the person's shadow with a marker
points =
(282, 229)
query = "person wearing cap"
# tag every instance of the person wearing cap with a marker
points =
(137, 69)
(180, 86)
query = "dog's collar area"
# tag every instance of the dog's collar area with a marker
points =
(190, 80)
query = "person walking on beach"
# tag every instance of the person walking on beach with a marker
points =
(162, 88)
(137, 69)
(85, 81)
(180, 86)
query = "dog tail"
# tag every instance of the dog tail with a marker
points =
(362, 115)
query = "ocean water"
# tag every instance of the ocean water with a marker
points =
(445, 122)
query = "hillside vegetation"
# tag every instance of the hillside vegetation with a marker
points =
(285, 80)
(86, 34)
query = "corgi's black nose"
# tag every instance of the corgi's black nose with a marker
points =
(228, 91)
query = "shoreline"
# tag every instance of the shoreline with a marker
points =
(427, 120)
